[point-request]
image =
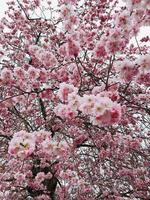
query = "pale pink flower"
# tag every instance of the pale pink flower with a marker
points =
(64, 90)
(66, 11)
(65, 111)
(143, 78)
(22, 144)
(86, 104)
(97, 89)
(33, 73)
(55, 149)
(68, 1)
(42, 135)
(20, 73)
(105, 112)
(33, 48)
(20, 177)
(138, 4)
(6, 75)
(73, 100)
(144, 63)
(128, 70)
(46, 57)
(99, 50)
(101, 104)
(73, 48)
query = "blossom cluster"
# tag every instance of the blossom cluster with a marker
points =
(138, 4)
(101, 109)
(46, 57)
(137, 70)
(24, 144)
(69, 15)
(70, 49)
(110, 43)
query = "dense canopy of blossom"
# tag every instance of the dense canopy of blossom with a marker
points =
(74, 100)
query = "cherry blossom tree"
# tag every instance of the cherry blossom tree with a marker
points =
(74, 100)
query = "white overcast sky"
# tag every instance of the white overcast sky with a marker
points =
(3, 7)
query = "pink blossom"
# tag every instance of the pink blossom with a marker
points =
(55, 149)
(74, 100)
(143, 78)
(20, 177)
(33, 73)
(66, 11)
(6, 75)
(65, 111)
(68, 1)
(105, 112)
(138, 4)
(99, 51)
(144, 63)
(22, 144)
(128, 70)
(73, 48)
(64, 90)
(46, 57)
(87, 103)
(104, 153)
